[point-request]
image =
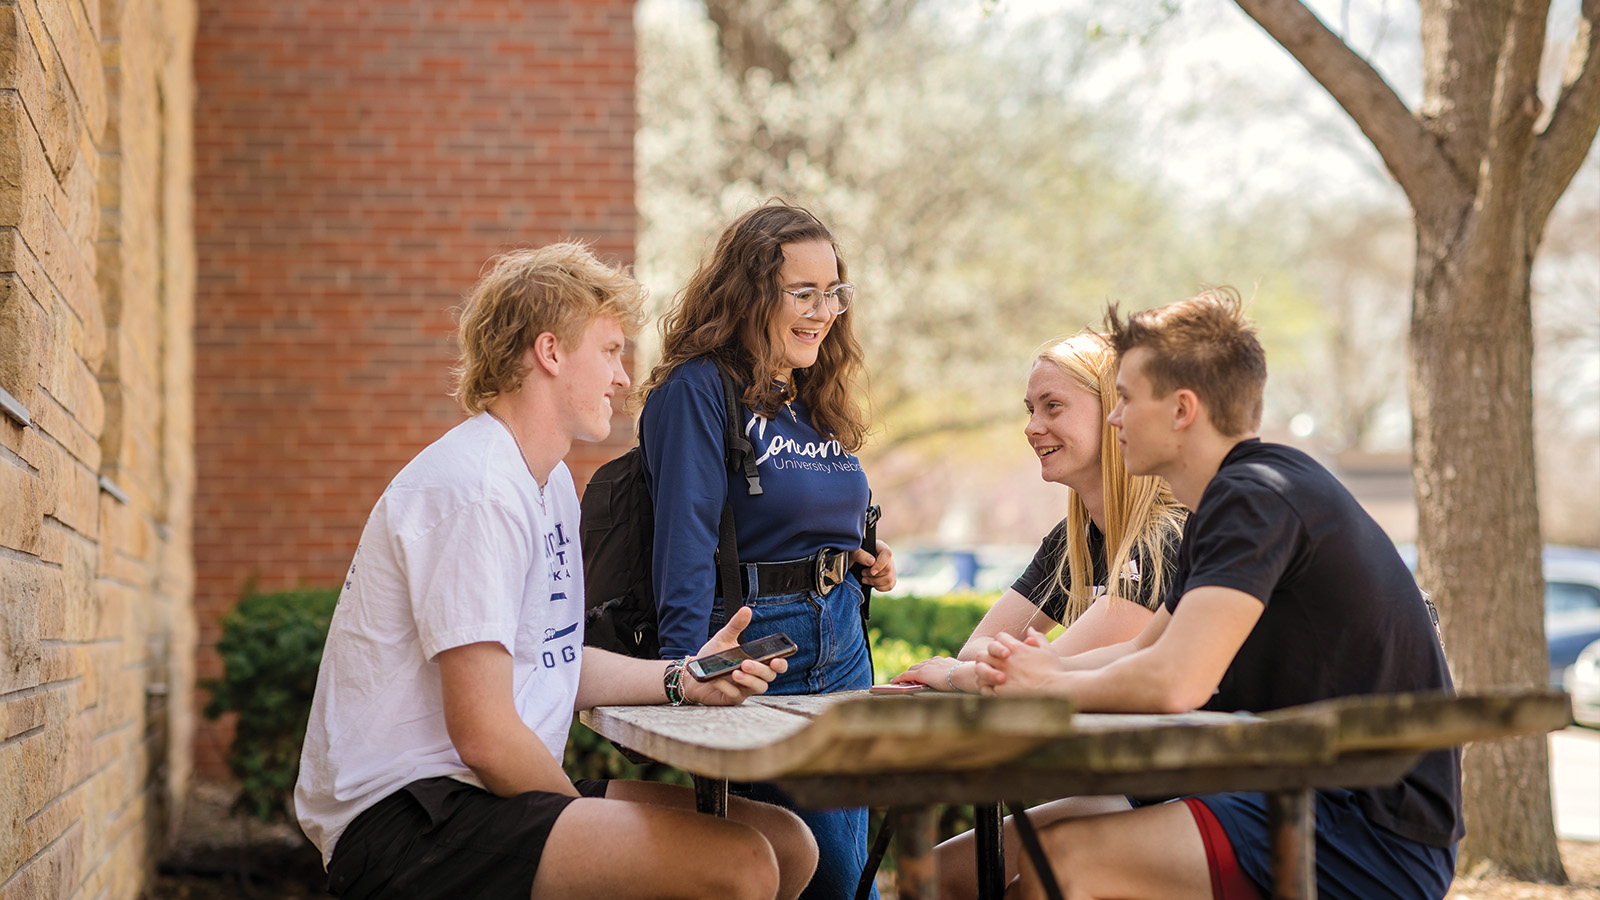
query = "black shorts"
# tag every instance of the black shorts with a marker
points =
(443, 838)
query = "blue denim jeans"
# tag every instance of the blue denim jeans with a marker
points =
(832, 657)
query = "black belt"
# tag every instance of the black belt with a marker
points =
(820, 572)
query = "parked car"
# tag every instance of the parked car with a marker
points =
(1583, 683)
(936, 571)
(1571, 602)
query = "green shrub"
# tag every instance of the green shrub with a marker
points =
(271, 646)
(906, 630)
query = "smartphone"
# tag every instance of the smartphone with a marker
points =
(715, 665)
(910, 687)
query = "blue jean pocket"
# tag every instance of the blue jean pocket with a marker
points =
(827, 628)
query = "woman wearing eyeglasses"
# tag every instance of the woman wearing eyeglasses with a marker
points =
(771, 305)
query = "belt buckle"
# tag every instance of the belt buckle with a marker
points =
(830, 569)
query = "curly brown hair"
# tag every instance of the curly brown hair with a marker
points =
(727, 312)
(560, 289)
(1205, 344)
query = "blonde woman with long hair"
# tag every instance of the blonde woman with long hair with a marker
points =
(1116, 523)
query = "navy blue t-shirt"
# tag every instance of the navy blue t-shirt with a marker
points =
(814, 495)
(1342, 615)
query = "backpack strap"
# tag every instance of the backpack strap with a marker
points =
(869, 543)
(732, 595)
(737, 451)
(738, 455)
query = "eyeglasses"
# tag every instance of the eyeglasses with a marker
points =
(808, 300)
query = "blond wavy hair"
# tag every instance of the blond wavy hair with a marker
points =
(560, 289)
(1141, 515)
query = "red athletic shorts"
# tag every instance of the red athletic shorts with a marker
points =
(1228, 881)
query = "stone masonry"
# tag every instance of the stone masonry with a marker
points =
(97, 272)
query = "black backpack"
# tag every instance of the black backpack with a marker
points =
(617, 532)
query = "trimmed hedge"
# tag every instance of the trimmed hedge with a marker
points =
(942, 623)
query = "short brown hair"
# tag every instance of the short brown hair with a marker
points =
(1205, 344)
(559, 289)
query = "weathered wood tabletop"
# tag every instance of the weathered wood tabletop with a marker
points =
(911, 752)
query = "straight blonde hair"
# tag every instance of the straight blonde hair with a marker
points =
(1141, 515)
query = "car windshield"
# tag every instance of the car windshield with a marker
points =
(1566, 598)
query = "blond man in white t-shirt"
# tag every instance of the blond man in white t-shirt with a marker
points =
(455, 659)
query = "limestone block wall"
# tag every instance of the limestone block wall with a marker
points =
(97, 273)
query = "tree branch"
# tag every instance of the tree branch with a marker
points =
(1410, 152)
(1559, 151)
(745, 45)
(1504, 175)
(1462, 45)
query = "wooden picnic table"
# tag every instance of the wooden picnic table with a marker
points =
(912, 753)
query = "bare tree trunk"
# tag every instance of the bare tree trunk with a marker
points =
(1478, 528)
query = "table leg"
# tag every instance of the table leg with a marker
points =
(1291, 822)
(916, 869)
(990, 846)
(711, 796)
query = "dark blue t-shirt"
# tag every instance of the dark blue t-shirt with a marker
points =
(814, 495)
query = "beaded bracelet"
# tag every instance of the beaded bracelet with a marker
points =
(672, 681)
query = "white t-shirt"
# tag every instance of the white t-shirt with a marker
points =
(461, 548)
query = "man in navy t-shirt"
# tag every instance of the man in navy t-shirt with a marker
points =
(1287, 592)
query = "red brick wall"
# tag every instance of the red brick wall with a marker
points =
(356, 163)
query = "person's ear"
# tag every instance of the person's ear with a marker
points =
(1186, 409)
(545, 353)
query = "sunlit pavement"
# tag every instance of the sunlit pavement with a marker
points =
(1575, 782)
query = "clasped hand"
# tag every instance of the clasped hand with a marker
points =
(1018, 667)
